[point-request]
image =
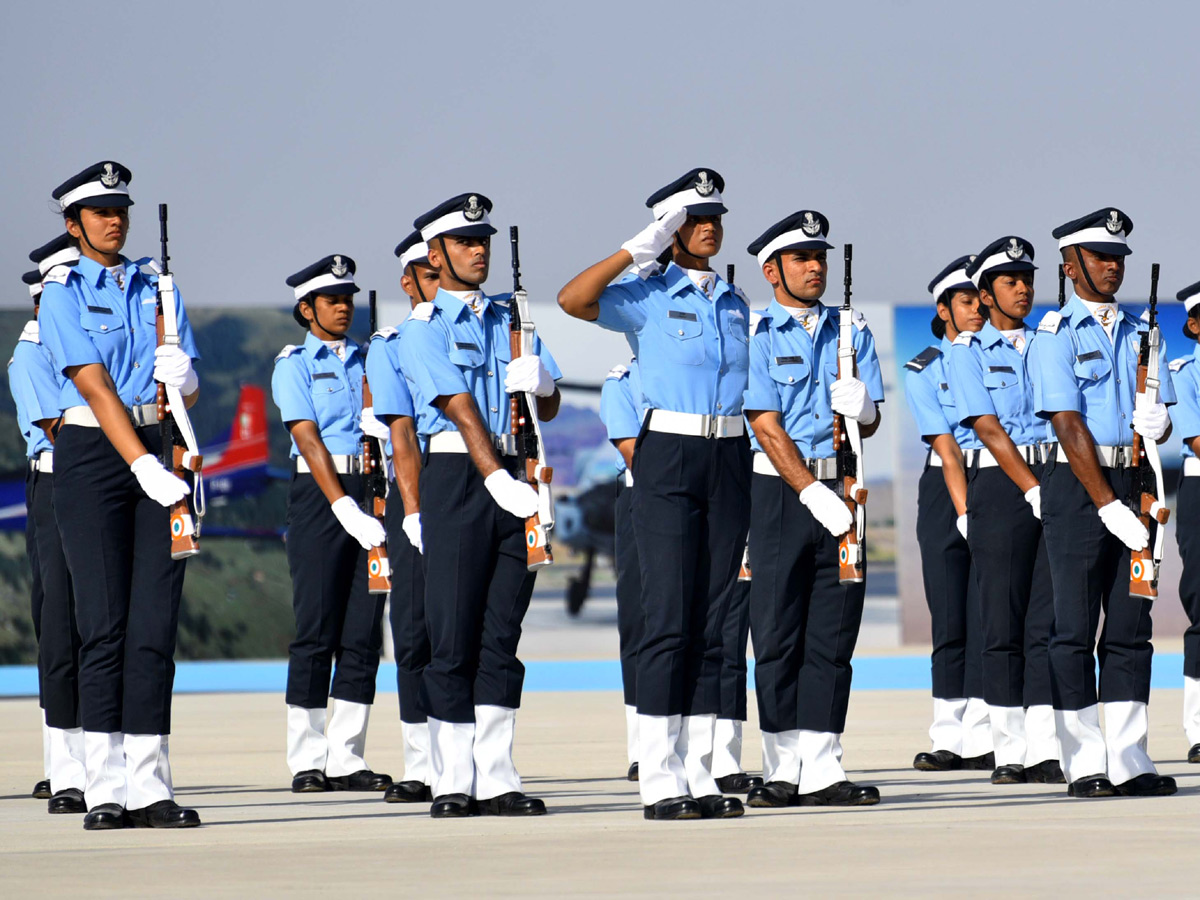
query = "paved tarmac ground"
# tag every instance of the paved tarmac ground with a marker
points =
(947, 834)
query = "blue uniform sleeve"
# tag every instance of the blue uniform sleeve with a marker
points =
(1186, 414)
(622, 306)
(291, 389)
(965, 375)
(868, 363)
(761, 393)
(389, 391)
(1166, 388)
(31, 376)
(61, 330)
(424, 358)
(619, 409)
(1051, 367)
(922, 399)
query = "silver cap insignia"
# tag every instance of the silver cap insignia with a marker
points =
(1015, 249)
(1114, 224)
(109, 178)
(811, 225)
(473, 211)
(339, 268)
(704, 187)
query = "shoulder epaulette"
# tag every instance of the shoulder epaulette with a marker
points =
(921, 361)
(30, 332)
(616, 373)
(859, 320)
(150, 264)
(1176, 364)
(759, 323)
(286, 352)
(1050, 322)
(384, 333)
(965, 337)
(741, 295)
(58, 275)
(423, 312)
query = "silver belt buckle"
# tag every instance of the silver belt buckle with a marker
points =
(1119, 460)
(708, 426)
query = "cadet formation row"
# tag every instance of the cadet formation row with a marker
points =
(1023, 522)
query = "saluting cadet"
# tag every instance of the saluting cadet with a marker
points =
(993, 397)
(961, 734)
(1185, 372)
(35, 386)
(803, 621)
(691, 472)
(111, 500)
(318, 389)
(1083, 364)
(456, 352)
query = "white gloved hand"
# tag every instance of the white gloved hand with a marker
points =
(1121, 521)
(511, 495)
(163, 487)
(961, 524)
(849, 398)
(827, 508)
(173, 368)
(372, 427)
(1033, 497)
(1150, 420)
(363, 528)
(527, 373)
(412, 530)
(648, 244)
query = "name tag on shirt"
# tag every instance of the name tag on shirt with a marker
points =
(1008, 369)
(317, 375)
(100, 309)
(680, 314)
(788, 360)
(1092, 354)
(459, 345)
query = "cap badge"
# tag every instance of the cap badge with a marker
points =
(810, 225)
(704, 187)
(108, 177)
(339, 268)
(1015, 249)
(1114, 223)
(473, 211)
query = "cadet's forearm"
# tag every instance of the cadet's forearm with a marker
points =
(780, 449)
(461, 410)
(406, 460)
(98, 390)
(547, 407)
(1001, 445)
(580, 296)
(625, 448)
(47, 426)
(1078, 444)
(953, 471)
(867, 430)
(316, 454)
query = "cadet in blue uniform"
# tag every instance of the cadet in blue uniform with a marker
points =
(1185, 373)
(961, 735)
(993, 397)
(318, 389)
(803, 621)
(456, 353)
(35, 386)
(691, 472)
(1083, 363)
(111, 501)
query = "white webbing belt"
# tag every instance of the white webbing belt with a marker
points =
(452, 442)
(1191, 467)
(983, 458)
(343, 464)
(1110, 457)
(821, 469)
(140, 416)
(695, 424)
(43, 462)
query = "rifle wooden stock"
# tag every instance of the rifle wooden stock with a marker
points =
(374, 503)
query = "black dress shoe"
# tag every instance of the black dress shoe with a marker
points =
(673, 808)
(844, 793)
(362, 780)
(41, 790)
(738, 783)
(1193, 755)
(714, 806)
(937, 761)
(1148, 785)
(1048, 771)
(164, 814)
(1009, 775)
(67, 801)
(453, 806)
(514, 803)
(632, 774)
(773, 795)
(408, 792)
(310, 781)
(1091, 786)
(979, 763)
(105, 817)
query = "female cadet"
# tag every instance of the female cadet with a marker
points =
(993, 396)
(318, 389)
(960, 733)
(111, 499)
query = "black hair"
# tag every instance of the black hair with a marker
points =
(72, 212)
(1194, 315)
(938, 327)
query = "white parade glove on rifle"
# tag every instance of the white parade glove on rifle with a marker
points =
(1033, 497)
(163, 487)
(527, 374)
(511, 495)
(827, 508)
(1150, 420)
(173, 368)
(849, 398)
(412, 530)
(372, 427)
(648, 244)
(1121, 521)
(961, 524)
(363, 528)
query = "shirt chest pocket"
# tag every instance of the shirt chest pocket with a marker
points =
(328, 388)
(790, 372)
(946, 399)
(683, 342)
(466, 354)
(999, 378)
(1091, 369)
(102, 325)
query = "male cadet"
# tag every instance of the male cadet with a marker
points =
(1083, 364)
(690, 479)
(456, 351)
(392, 403)
(803, 622)
(35, 384)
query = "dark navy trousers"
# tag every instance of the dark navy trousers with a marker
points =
(410, 637)
(1187, 534)
(630, 623)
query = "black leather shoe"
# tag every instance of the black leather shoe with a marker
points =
(1148, 785)
(632, 774)
(408, 792)
(67, 801)
(673, 808)
(41, 790)
(453, 806)
(1091, 786)
(979, 763)
(1048, 771)
(164, 814)
(738, 783)
(1193, 755)
(938, 761)
(844, 793)
(362, 780)
(773, 795)
(105, 817)
(310, 781)
(1009, 775)
(714, 806)
(513, 803)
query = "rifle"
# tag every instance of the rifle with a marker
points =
(744, 573)
(1062, 286)
(374, 501)
(847, 444)
(1147, 490)
(530, 447)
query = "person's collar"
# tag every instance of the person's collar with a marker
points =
(94, 273)
(454, 306)
(780, 316)
(989, 335)
(315, 346)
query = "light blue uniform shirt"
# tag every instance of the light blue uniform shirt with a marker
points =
(621, 405)
(987, 378)
(35, 388)
(927, 388)
(1074, 367)
(694, 351)
(311, 383)
(456, 351)
(1185, 374)
(88, 319)
(791, 373)
(390, 391)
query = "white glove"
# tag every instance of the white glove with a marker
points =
(526, 374)
(648, 244)
(511, 495)
(363, 528)
(1120, 520)
(1150, 420)
(163, 487)
(961, 524)
(849, 398)
(827, 508)
(372, 427)
(412, 530)
(173, 368)
(1033, 497)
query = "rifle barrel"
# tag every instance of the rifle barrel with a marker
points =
(162, 237)
(849, 258)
